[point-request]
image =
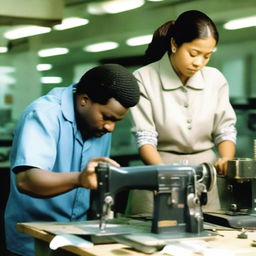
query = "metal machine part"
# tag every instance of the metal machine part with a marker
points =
(241, 169)
(241, 186)
(238, 195)
(180, 190)
(106, 211)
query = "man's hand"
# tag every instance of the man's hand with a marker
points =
(88, 177)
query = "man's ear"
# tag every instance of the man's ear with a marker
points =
(84, 98)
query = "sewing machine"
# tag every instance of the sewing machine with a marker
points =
(237, 195)
(179, 193)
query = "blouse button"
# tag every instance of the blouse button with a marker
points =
(186, 105)
(189, 121)
(184, 89)
(189, 127)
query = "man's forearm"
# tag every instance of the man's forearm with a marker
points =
(43, 183)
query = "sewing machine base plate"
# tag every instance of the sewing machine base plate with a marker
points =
(237, 221)
(137, 234)
(150, 243)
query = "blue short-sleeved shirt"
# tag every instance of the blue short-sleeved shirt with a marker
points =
(46, 137)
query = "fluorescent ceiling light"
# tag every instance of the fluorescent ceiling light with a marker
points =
(6, 79)
(139, 40)
(5, 76)
(52, 52)
(3, 49)
(43, 67)
(114, 6)
(7, 69)
(240, 23)
(71, 22)
(100, 47)
(51, 80)
(25, 31)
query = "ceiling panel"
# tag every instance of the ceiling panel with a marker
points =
(119, 27)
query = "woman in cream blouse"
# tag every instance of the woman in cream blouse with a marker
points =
(184, 109)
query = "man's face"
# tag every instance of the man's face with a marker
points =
(94, 119)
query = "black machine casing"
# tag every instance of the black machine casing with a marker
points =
(180, 191)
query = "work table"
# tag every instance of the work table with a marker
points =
(226, 241)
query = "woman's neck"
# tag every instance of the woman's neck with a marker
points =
(182, 78)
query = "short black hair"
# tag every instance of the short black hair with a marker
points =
(110, 81)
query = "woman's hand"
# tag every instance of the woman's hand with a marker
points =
(226, 151)
(221, 165)
(88, 177)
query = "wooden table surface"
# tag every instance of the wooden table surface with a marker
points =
(226, 240)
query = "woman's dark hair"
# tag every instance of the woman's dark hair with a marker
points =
(108, 81)
(190, 25)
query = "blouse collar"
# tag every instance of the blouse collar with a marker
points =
(171, 81)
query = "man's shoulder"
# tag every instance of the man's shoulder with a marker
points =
(56, 104)
(49, 102)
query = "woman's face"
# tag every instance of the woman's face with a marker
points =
(191, 57)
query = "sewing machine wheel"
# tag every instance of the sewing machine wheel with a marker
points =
(209, 176)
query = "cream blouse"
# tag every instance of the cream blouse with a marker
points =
(181, 118)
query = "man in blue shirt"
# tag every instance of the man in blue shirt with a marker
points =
(59, 140)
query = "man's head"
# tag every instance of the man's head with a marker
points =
(103, 96)
(110, 81)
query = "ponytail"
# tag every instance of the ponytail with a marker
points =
(160, 43)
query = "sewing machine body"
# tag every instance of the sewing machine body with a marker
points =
(180, 191)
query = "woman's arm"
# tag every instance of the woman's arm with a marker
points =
(149, 154)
